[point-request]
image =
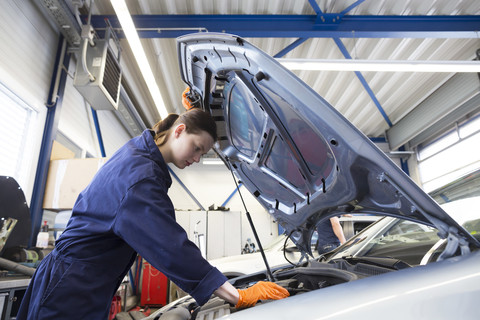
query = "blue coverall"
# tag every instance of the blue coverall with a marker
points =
(327, 239)
(125, 210)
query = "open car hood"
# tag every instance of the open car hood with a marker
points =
(295, 153)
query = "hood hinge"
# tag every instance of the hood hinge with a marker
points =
(454, 241)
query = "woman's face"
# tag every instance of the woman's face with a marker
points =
(189, 148)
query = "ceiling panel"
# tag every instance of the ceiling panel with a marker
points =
(397, 93)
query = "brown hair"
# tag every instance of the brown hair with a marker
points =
(195, 120)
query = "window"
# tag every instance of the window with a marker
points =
(451, 156)
(16, 123)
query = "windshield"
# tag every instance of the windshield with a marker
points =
(395, 238)
(402, 239)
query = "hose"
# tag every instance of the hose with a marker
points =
(16, 267)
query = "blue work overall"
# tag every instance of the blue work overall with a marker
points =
(125, 210)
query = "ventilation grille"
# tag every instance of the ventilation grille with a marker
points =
(111, 77)
(104, 92)
(369, 270)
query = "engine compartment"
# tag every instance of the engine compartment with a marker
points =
(312, 275)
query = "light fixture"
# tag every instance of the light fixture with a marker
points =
(212, 161)
(381, 65)
(131, 34)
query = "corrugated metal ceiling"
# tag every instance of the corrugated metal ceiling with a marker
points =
(397, 93)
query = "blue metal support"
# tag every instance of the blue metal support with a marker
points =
(404, 163)
(338, 16)
(378, 139)
(231, 195)
(99, 132)
(315, 7)
(290, 47)
(351, 7)
(186, 189)
(54, 105)
(362, 79)
(333, 25)
(444, 198)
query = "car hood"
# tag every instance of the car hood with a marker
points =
(300, 158)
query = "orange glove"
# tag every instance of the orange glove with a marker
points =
(187, 100)
(260, 291)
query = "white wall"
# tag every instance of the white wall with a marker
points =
(75, 117)
(213, 184)
(27, 55)
(28, 48)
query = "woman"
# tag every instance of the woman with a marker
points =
(125, 210)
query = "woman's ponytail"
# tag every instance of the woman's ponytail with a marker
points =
(162, 128)
(195, 120)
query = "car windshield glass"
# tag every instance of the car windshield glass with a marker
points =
(404, 240)
(395, 238)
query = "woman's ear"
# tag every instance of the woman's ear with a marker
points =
(179, 129)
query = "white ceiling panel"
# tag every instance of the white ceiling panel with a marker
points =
(397, 93)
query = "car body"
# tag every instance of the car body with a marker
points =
(390, 244)
(281, 251)
(304, 162)
(277, 253)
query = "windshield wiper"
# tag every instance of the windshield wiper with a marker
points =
(386, 262)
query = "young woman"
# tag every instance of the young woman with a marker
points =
(125, 210)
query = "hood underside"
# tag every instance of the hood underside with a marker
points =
(301, 159)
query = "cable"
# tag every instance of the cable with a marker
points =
(87, 33)
(285, 255)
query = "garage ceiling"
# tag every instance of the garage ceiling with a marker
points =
(309, 29)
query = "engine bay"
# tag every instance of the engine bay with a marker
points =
(312, 275)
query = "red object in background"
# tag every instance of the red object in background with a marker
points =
(154, 286)
(116, 307)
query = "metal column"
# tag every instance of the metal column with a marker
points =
(54, 105)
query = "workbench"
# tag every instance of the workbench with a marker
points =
(12, 290)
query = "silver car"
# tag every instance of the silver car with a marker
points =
(304, 162)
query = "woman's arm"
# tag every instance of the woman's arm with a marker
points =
(228, 293)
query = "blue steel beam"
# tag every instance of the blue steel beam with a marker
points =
(99, 132)
(315, 7)
(290, 47)
(186, 189)
(351, 7)
(364, 82)
(318, 11)
(54, 106)
(231, 195)
(326, 25)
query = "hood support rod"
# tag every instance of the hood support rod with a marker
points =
(250, 221)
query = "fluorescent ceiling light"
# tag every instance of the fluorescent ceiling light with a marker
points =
(381, 65)
(212, 161)
(131, 34)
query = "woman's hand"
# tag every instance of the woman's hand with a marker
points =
(260, 291)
